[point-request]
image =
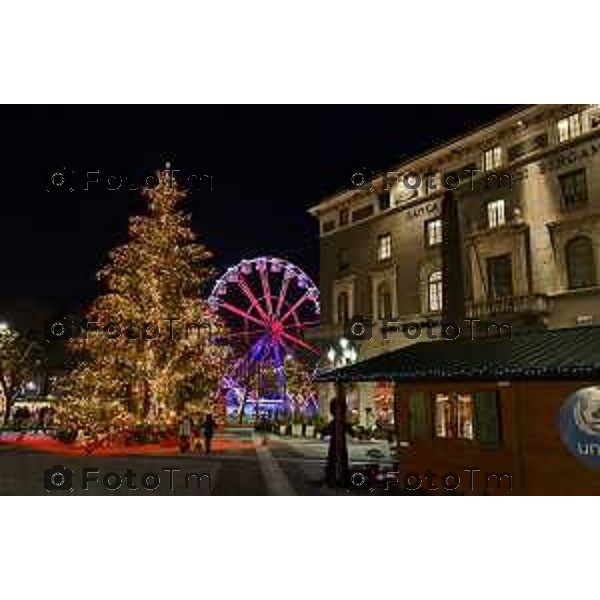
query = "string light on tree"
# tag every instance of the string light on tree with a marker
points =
(156, 275)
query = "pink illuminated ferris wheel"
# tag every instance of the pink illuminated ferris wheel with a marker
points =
(267, 303)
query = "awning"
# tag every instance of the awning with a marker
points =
(569, 354)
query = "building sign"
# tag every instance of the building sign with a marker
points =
(569, 157)
(424, 210)
(579, 423)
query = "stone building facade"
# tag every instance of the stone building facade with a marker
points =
(526, 191)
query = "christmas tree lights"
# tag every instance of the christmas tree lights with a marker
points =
(152, 283)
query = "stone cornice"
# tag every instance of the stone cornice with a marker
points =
(505, 130)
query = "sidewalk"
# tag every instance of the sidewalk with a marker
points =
(359, 452)
(303, 462)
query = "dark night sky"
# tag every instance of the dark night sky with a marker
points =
(269, 164)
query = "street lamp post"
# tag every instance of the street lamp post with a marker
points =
(342, 354)
(339, 356)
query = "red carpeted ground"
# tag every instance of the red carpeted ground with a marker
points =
(44, 443)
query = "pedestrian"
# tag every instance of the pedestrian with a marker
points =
(42, 419)
(185, 434)
(197, 445)
(337, 471)
(209, 431)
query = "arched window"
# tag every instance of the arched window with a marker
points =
(343, 307)
(581, 266)
(434, 292)
(384, 301)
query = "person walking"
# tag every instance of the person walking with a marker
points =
(209, 430)
(185, 434)
(197, 444)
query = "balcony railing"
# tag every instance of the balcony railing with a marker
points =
(509, 305)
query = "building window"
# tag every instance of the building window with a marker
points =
(433, 232)
(328, 226)
(531, 144)
(384, 200)
(344, 217)
(581, 266)
(574, 189)
(434, 292)
(454, 414)
(384, 301)
(496, 213)
(499, 270)
(569, 128)
(492, 159)
(384, 246)
(362, 213)
(343, 307)
(470, 416)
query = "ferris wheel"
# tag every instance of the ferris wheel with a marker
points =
(267, 304)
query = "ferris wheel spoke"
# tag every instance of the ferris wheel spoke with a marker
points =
(241, 313)
(279, 358)
(257, 348)
(295, 307)
(282, 294)
(250, 332)
(299, 342)
(264, 279)
(301, 324)
(244, 366)
(253, 299)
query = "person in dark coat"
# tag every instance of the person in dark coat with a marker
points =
(337, 471)
(208, 428)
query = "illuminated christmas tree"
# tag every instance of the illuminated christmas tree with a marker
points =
(161, 349)
(300, 386)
